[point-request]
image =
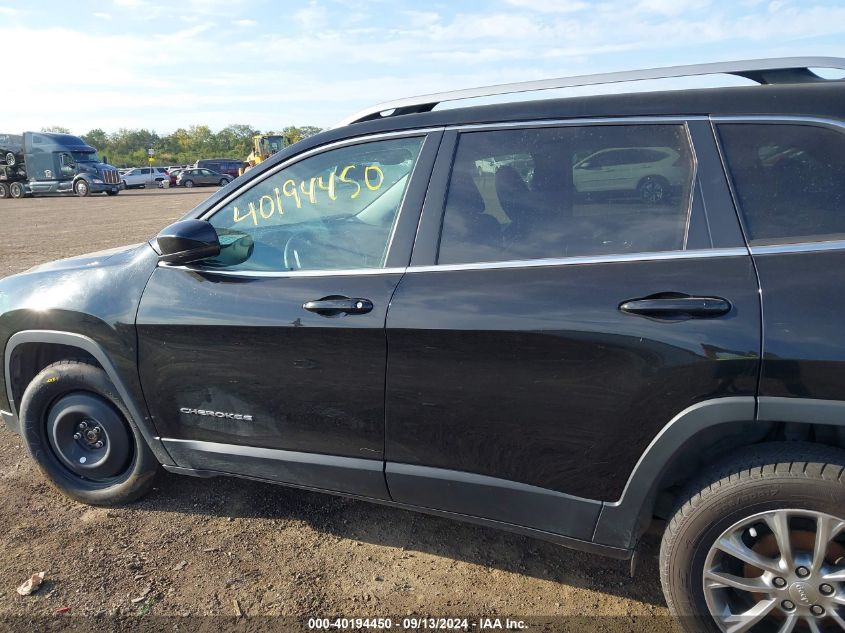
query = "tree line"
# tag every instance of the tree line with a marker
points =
(128, 148)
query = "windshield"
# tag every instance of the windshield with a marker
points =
(86, 157)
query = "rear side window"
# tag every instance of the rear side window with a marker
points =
(789, 180)
(567, 192)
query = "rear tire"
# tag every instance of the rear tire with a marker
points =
(796, 487)
(4, 190)
(11, 161)
(224, 181)
(188, 183)
(17, 190)
(74, 398)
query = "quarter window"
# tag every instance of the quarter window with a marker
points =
(566, 192)
(789, 180)
(335, 210)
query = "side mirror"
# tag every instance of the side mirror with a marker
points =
(187, 241)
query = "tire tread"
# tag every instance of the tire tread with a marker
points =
(789, 461)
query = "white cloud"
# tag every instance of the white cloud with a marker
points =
(671, 7)
(8, 11)
(322, 62)
(311, 17)
(102, 16)
(550, 6)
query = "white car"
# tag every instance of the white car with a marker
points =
(144, 177)
(650, 172)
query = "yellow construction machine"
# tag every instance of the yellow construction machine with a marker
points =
(263, 147)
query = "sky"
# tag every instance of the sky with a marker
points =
(162, 65)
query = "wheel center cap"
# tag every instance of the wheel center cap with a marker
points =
(803, 593)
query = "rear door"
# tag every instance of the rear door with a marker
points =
(542, 338)
(269, 361)
(789, 181)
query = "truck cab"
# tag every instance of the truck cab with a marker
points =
(55, 163)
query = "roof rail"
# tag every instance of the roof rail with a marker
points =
(764, 71)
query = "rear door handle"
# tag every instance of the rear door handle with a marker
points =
(677, 305)
(335, 306)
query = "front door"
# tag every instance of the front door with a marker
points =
(269, 360)
(535, 355)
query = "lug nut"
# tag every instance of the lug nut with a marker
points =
(99, 444)
(817, 609)
(802, 572)
(826, 589)
(788, 605)
(779, 582)
(82, 426)
(77, 436)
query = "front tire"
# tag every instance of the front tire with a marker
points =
(653, 190)
(81, 188)
(4, 190)
(79, 432)
(224, 181)
(760, 542)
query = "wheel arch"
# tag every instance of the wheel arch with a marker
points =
(703, 434)
(29, 351)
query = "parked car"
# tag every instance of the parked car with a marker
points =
(228, 166)
(194, 177)
(416, 308)
(650, 173)
(141, 177)
(173, 172)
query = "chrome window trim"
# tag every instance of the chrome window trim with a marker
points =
(607, 120)
(345, 272)
(591, 259)
(693, 182)
(785, 118)
(798, 247)
(703, 253)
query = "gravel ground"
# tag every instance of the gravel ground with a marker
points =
(220, 547)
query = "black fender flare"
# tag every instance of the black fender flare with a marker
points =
(80, 341)
(619, 522)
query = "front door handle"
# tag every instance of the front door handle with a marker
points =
(335, 306)
(666, 306)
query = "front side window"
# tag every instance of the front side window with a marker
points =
(567, 192)
(335, 210)
(789, 180)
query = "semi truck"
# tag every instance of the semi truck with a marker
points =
(35, 163)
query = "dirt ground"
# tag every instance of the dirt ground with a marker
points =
(219, 547)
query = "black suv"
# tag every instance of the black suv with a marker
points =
(483, 313)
